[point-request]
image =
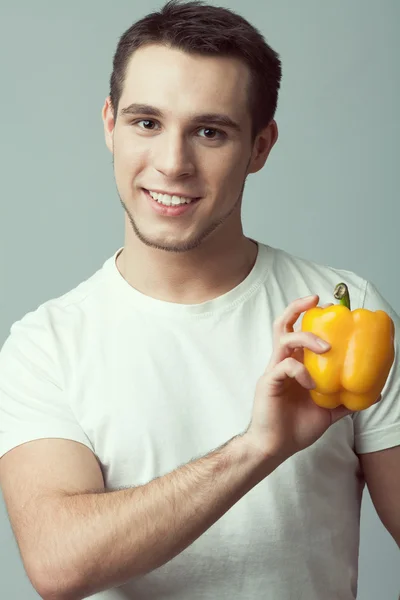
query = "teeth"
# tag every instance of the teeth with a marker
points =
(170, 200)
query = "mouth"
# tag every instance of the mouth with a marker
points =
(170, 206)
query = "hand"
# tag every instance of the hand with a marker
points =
(285, 419)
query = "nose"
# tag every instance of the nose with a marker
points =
(173, 157)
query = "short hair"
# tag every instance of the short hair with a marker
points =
(198, 28)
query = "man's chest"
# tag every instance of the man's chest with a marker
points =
(153, 402)
(166, 402)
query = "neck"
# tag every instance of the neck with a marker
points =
(193, 277)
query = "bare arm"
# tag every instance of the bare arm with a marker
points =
(76, 539)
(382, 476)
(108, 538)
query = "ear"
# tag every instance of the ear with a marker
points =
(263, 145)
(109, 124)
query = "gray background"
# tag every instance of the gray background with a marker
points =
(332, 174)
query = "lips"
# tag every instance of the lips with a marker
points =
(172, 210)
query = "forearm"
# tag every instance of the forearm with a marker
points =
(109, 538)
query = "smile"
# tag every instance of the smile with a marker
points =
(170, 200)
(170, 206)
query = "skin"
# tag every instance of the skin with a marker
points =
(91, 540)
(203, 253)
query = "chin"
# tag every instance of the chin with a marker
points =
(168, 245)
(166, 241)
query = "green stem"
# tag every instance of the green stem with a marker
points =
(341, 293)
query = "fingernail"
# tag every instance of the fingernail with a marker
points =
(324, 345)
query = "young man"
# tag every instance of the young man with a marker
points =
(157, 433)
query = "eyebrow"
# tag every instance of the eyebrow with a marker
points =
(211, 118)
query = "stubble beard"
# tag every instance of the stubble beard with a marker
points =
(189, 244)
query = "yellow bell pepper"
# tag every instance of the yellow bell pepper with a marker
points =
(355, 369)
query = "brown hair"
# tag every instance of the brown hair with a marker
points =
(198, 28)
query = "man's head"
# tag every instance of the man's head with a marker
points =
(172, 70)
(197, 28)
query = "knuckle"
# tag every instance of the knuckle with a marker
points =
(291, 363)
(296, 339)
(283, 340)
(278, 322)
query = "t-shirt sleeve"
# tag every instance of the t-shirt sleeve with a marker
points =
(378, 427)
(32, 398)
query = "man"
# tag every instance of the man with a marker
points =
(158, 439)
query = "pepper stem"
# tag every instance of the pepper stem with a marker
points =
(341, 293)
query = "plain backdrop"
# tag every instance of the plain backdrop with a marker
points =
(328, 192)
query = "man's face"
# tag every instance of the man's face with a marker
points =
(177, 151)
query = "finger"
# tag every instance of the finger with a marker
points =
(299, 339)
(298, 354)
(288, 369)
(284, 323)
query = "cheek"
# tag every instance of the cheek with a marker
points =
(228, 171)
(129, 154)
(128, 162)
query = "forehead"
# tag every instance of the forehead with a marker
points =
(190, 82)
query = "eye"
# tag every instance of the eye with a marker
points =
(145, 122)
(212, 134)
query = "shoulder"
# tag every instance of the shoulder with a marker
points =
(58, 319)
(303, 276)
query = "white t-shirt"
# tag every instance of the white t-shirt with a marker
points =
(149, 385)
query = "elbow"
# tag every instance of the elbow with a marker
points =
(396, 537)
(52, 586)
(48, 593)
